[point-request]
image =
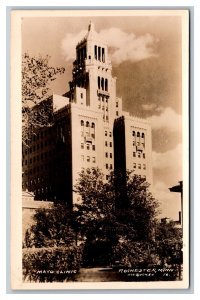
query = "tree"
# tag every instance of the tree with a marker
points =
(102, 215)
(169, 243)
(36, 77)
(52, 228)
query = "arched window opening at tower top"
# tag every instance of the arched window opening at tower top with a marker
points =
(99, 53)
(95, 52)
(99, 85)
(106, 85)
(103, 55)
(102, 83)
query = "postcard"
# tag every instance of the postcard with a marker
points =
(99, 149)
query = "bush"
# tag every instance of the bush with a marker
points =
(51, 264)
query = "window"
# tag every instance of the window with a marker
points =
(93, 147)
(143, 155)
(133, 143)
(93, 135)
(94, 159)
(144, 167)
(117, 113)
(110, 134)
(87, 124)
(81, 95)
(106, 118)
(111, 166)
(133, 133)
(106, 143)
(138, 143)
(117, 104)
(95, 52)
(88, 147)
(103, 55)
(143, 135)
(106, 154)
(139, 155)
(30, 160)
(110, 144)
(106, 133)
(134, 154)
(82, 146)
(99, 85)
(139, 166)
(134, 165)
(106, 166)
(110, 155)
(99, 53)
(107, 177)
(26, 162)
(106, 85)
(93, 125)
(88, 159)
(138, 134)
(102, 83)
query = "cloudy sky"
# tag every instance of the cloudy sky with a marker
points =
(146, 56)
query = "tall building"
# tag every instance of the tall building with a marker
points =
(90, 129)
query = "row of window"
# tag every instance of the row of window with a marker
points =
(139, 166)
(37, 136)
(139, 154)
(102, 98)
(102, 83)
(87, 124)
(138, 144)
(88, 158)
(37, 158)
(81, 54)
(107, 166)
(108, 143)
(38, 146)
(108, 155)
(106, 133)
(88, 146)
(105, 118)
(99, 107)
(37, 169)
(138, 134)
(99, 53)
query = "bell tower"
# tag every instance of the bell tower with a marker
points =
(92, 72)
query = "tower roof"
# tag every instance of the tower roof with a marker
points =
(91, 34)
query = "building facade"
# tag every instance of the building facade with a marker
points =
(90, 129)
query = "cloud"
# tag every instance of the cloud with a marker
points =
(168, 119)
(170, 203)
(171, 159)
(151, 107)
(68, 44)
(125, 46)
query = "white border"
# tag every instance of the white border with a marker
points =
(3, 117)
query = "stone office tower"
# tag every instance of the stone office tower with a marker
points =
(91, 129)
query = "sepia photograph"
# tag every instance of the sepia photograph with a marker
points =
(100, 149)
